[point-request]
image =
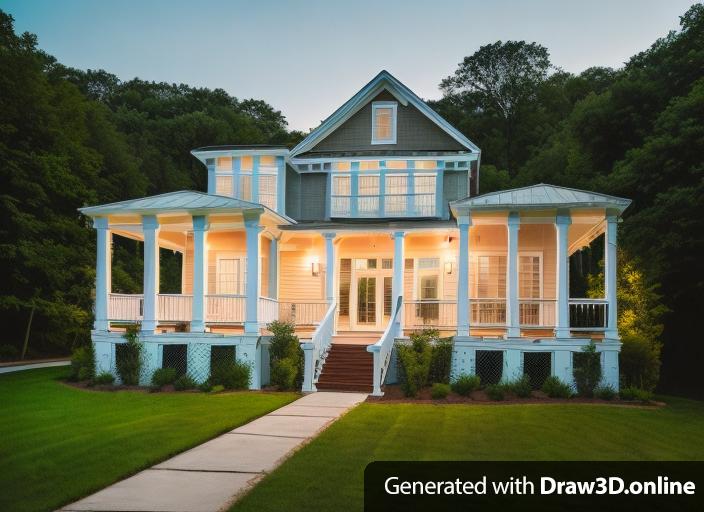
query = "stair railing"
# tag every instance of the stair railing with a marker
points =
(315, 350)
(381, 350)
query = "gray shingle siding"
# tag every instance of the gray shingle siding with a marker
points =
(415, 132)
(454, 186)
(293, 193)
(305, 195)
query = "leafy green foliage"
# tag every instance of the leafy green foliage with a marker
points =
(163, 377)
(8, 352)
(635, 394)
(184, 383)
(440, 361)
(605, 392)
(104, 379)
(283, 374)
(83, 363)
(231, 374)
(414, 363)
(439, 390)
(286, 356)
(555, 388)
(587, 370)
(464, 384)
(128, 357)
(496, 392)
(521, 387)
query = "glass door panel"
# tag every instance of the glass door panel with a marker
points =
(366, 300)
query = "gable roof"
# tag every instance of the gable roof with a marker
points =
(189, 201)
(538, 197)
(403, 94)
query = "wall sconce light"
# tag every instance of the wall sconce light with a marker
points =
(315, 267)
(448, 267)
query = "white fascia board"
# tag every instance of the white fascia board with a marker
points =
(470, 157)
(216, 153)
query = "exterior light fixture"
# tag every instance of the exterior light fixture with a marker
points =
(315, 267)
(448, 267)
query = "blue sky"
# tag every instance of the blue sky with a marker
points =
(307, 57)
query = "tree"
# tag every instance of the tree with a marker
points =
(503, 77)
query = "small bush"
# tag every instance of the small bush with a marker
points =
(128, 357)
(8, 352)
(284, 373)
(521, 387)
(231, 375)
(439, 391)
(184, 382)
(83, 363)
(414, 362)
(605, 392)
(639, 362)
(496, 392)
(104, 378)
(635, 394)
(587, 370)
(555, 388)
(217, 389)
(465, 384)
(440, 361)
(206, 386)
(163, 377)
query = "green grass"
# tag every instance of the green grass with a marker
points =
(59, 443)
(328, 473)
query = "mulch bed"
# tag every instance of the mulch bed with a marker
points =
(394, 395)
(146, 389)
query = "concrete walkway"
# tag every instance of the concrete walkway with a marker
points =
(14, 367)
(209, 477)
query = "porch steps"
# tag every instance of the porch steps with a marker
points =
(348, 367)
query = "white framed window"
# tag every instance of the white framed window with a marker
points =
(368, 196)
(267, 190)
(384, 122)
(340, 200)
(424, 192)
(230, 278)
(223, 185)
(246, 186)
(396, 191)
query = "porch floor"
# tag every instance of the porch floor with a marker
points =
(356, 338)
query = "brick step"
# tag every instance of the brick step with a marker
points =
(342, 386)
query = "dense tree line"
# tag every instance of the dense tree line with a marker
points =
(70, 137)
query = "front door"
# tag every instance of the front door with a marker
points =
(370, 294)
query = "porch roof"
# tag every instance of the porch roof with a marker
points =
(539, 197)
(183, 201)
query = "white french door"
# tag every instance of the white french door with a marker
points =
(370, 294)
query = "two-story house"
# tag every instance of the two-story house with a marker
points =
(368, 229)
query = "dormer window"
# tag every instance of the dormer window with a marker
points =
(384, 122)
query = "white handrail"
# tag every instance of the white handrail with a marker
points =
(381, 350)
(316, 349)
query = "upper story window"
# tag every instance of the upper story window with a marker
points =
(384, 122)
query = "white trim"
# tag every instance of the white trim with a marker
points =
(393, 105)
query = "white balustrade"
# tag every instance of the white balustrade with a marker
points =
(487, 312)
(268, 310)
(381, 350)
(537, 312)
(125, 307)
(224, 308)
(303, 313)
(316, 349)
(439, 314)
(588, 314)
(173, 307)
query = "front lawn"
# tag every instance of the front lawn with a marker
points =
(328, 473)
(59, 443)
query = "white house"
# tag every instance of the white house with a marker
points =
(370, 228)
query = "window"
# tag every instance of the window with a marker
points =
(341, 188)
(529, 277)
(368, 200)
(429, 287)
(491, 278)
(384, 122)
(228, 282)
(223, 185)
(425, 194)
(267, 190)
(246, 187)
(396, 194)
(369, 165)
(224, 163)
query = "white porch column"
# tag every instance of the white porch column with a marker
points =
(397, 279)
(150, 226)
(513, 329)
(463, 223)
(252, 230)
(329, 267)
(200, 271)
(562, 226)
(103, 279)
(610, 276)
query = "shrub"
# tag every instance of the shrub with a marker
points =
(163, 376)
(128, 357)
(8, 352)
(206, 386)
(285, 346)
(283, 374)
(464, 384)
(83, 363)
(636, 394)
(587, 370)
(104, 378)
(496, 392)
(184, 382)
(521, 387)
(605, 392)
(439, 391)
(414, 365)
(440, 361)
(231, 374)
(555, 388)
(639, 363)
(217, 389)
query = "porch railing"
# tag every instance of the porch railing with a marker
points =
(439, 314)
(487, 312)
(225, 308)
(588, 314)
(316, 349)
(381, 350)
(174, 307)
(537, 312)
(126, 307)
(268, 310)
(303, 313)
(394, 205)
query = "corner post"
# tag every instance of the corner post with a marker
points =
(513, 328)
(329, 267)
(562, 226)
(463, 222)
(103, 278)
(308, 368)
(200, 272)
(610, 276)
(397, 279)
(252, 230)
(150, 226)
